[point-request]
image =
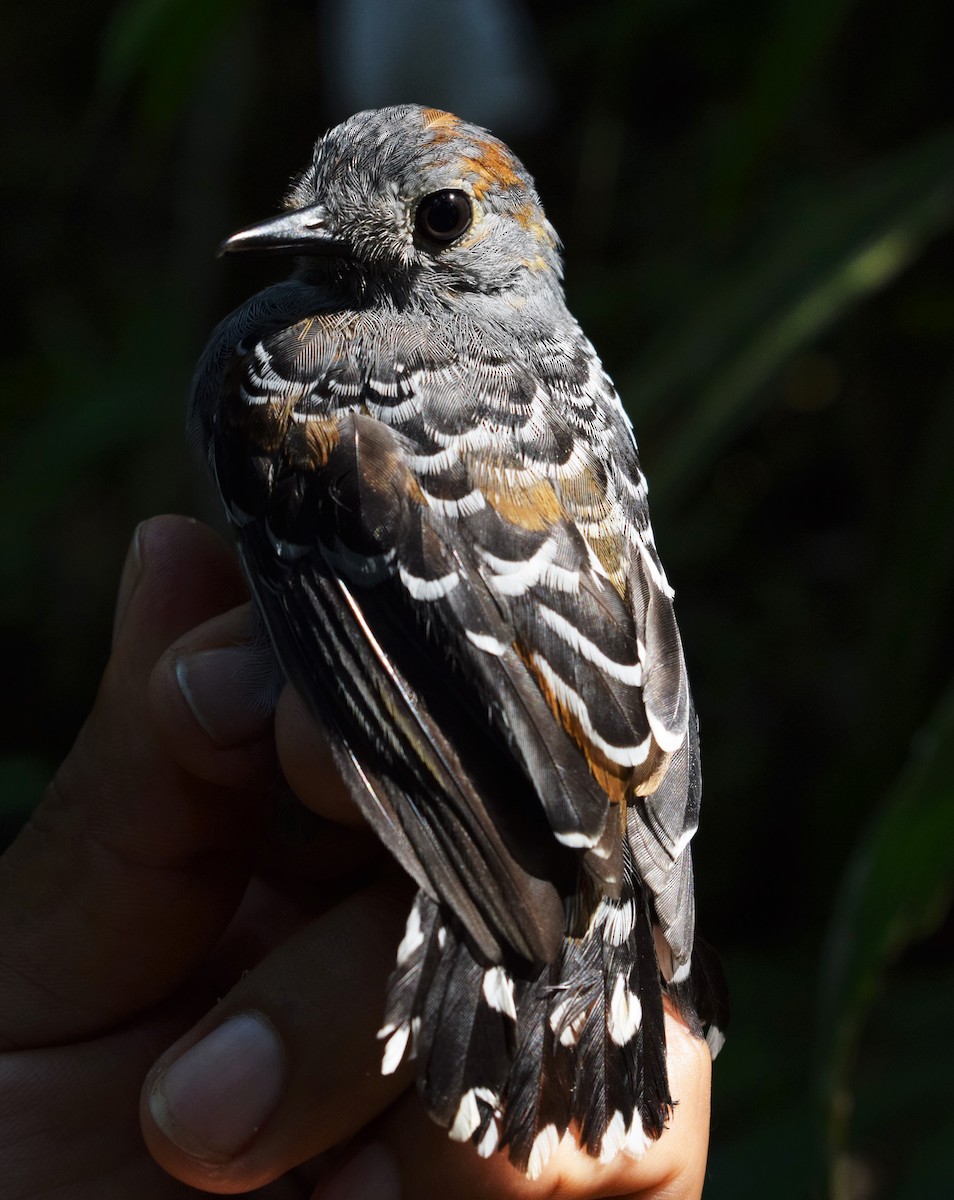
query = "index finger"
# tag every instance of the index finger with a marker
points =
(130, 865)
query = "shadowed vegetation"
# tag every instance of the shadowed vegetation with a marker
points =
(758, 207)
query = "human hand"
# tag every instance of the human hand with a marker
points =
(145, 887)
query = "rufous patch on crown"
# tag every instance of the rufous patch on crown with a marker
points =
(492, 164)
(531, 218)
(436, 118)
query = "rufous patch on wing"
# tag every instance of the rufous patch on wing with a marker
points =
(265, 425)
(609, 549)
(308, 446)
(584, 501)
(414, 490)
(651, 774)
(615, 780)
(523, 499)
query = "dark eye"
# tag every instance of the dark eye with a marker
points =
(443, 216)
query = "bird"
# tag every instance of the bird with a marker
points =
(438, 504)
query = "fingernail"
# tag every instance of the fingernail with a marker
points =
(372, 1172)
(215, 1098)
(127, 580)
(227, 690)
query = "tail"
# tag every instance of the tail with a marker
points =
(508, 1055)
(702, 1000)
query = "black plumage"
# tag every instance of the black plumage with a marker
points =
(438, 504)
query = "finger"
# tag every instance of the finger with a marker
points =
(210, 703)
(210, 700)
(130, 866)
(287, 1064)
(72, 1130)
(406, 1148)
(307, 763)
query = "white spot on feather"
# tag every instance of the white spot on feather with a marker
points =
(683, 840)
(569, 1031)
(432, 464)
(620, 1139)
(467, 1120)
(498, 992)
(715, 1040)
(637, 1140)
(413, 937)
(394, 1049)
(483, 641)
(681, 974)
(488, 1143)
(642, 541)
(561, 580)
(625, 756)
(614, 1138)
(625, 1013)
(429, 589)
(394, 414)
(384, 387)
(618, 921)
(513, 577)
(636, 487)
(628, 673)
(464, 507)
(575, 840)
(477, 437)
(249, 398)
(541, 1151)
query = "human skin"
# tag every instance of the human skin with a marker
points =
(188, 1001)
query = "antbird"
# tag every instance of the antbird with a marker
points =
(438, 504)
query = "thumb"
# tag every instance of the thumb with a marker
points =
(130, 866)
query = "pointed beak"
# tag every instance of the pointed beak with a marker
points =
(305, 231)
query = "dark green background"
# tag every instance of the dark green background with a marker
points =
(757, 202)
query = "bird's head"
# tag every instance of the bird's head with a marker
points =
(418, 202)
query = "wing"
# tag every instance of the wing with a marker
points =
(456, 578)
(666, 791)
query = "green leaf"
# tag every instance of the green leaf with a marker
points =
(162, 45)
(825, 252)
(896, 889)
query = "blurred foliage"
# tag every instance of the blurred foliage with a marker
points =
(758, 207)
(897, 887)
